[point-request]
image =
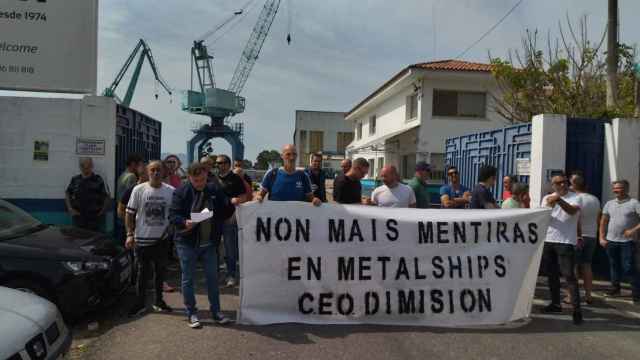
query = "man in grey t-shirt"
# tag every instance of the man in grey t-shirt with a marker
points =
(619, 228)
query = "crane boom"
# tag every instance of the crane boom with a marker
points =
(254, 46)
(146, 53)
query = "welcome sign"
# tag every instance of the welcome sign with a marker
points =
(350, 264)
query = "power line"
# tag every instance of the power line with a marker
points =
(490, 29)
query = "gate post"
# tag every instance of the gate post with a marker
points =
(622, 156)
(548, 152)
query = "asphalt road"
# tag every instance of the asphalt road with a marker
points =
(611, 331)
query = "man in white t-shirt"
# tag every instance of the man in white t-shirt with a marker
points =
(146, 221)
(558, 255)
(589, 219)
(393, 193)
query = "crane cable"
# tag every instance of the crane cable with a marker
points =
(251, 5)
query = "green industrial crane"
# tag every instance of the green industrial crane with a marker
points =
(145, 52)
(205, 98)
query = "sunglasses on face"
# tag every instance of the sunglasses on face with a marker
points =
(221, 163)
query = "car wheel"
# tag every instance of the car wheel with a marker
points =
(28, 286)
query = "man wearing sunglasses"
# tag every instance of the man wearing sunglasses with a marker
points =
(454, 195)
(558, 256)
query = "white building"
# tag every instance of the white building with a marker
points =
(409, 117)
(322, 131)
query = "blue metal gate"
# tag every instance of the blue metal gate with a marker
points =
(136, 133)
(585, 151)
(500, 148)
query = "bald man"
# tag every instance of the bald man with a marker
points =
(87, 198)
(287, 183)
(392, 193)
(345, 165)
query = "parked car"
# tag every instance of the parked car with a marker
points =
(74, 268)
(31, 327)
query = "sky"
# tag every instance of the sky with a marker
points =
(341, 51)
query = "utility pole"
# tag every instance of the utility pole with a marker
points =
(612, 55)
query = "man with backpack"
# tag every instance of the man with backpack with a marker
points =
(287, 183)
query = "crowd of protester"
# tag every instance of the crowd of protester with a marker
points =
(156, 200)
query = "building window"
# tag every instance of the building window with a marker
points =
(302, 148)
(359, 131)
(437, 167)
(380, 164)
(412, 107)
(316, 141)
(372, 125)
(344, 139)
(459, 103)
(372, 168)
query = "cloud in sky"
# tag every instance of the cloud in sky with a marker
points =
(341, 50)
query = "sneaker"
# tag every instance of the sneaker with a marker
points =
(552, 309)
(613, 292)
(167, 288)
(162, 307)
(221, 319)
(137, 310)
(231, 281)
(577, 317)
(194, 322)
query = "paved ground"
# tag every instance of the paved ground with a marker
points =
(611, 330)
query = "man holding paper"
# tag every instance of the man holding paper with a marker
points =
(198, 210)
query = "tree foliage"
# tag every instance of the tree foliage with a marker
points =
(268, 158)
(568, 78)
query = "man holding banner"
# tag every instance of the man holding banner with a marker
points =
(559, 248)
(287, 183)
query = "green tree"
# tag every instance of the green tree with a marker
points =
(569, 78)
(268, 158)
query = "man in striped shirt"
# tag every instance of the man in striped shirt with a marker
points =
(147, 221)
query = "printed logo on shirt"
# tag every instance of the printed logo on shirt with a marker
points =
(299, 184)
(155, 213)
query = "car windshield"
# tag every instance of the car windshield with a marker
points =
(14, 221)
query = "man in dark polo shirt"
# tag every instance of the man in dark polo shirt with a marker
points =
(346, 187)
(481, 196)
(317, 177)
(234, 187)
(87, 198)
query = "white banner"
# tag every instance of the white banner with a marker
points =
(350, 264)
(49, 45)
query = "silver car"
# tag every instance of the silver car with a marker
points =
(31, 327)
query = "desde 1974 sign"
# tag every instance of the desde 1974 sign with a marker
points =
(349, 264)
(49, 45)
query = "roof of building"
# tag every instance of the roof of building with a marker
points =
(440, 65)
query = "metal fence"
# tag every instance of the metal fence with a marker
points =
(501, 148)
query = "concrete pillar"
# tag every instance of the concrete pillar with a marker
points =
(548, 152)
(622, 156)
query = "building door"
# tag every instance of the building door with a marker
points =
(585, 151)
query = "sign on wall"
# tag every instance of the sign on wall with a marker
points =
(48, 45)
(350, 264)
(90, 147)
(41, 150)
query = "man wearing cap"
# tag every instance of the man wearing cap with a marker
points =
(419, 185)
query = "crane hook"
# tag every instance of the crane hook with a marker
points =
(288, 39)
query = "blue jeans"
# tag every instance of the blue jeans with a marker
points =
(621, 263)
(189, 256)
(230, 233)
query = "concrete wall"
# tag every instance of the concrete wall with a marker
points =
(622, 156)
(548, 152)
(60, 122)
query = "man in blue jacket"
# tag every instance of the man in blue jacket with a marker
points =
(199, 240)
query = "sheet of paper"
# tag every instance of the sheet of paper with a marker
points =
(201, 216)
